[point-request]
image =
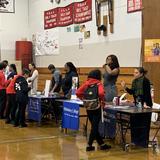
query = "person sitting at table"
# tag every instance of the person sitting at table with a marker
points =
(56, 81)
(71, 72)
(140, 88)
(94, 116)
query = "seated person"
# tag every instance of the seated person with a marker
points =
(140, 88)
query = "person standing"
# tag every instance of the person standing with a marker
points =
(6, 68)
(111, 72)
(71, 72)
(12, 71)
(56, 81)
(34, 78)
(2, 90)
(22, 89)
(11, 97)
(94, 116)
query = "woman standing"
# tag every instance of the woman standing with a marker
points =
(71, 71)
(11, 94)
(34, 78)
(111, 72)
(140, 88)
(12, 71)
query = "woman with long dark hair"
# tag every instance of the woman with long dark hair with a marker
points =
(140, 88)
(71, 71)
(33, 79)
(12, 71)
(11, 95)
(111, 72)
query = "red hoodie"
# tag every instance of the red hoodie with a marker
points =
(82, 88)
(10, 88)
(2, 80)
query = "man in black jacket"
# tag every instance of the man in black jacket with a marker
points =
(22, 89)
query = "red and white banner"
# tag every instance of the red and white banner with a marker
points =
(65, 15)
(50, 18)
(82, 11)
(78, 12)
(134, 5)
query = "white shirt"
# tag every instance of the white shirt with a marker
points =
(34, 83)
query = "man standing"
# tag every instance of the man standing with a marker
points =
(56, 79)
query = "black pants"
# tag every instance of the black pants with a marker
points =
(20, 115)
(2, 102)
(11, 107)
(94, 118)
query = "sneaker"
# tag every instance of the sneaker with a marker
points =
(23, 125)
(90, 148)
(105, 147)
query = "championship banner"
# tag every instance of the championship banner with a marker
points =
(78, 12)
(70, 116)
(82, 11)
(65, 15)
(50, 18)
(134, 5)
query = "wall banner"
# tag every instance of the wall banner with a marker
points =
(134, 5)
(75, 13)
(82, 11)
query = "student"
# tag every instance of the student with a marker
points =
(34, 78)
(71, 71)
(2, 90)
(56, 79)
(22, 89)
(12, 103)
(140, 88)
(111, 72)
(94, 116)
(12, 71)
(6, 68)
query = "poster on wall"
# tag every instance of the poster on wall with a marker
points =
(152, 50)
(134, 5)
(47, 43)
(7, 6)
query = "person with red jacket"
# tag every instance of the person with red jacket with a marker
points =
(2, 91)
(11, 97)
(94, 116)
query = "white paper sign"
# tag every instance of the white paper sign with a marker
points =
(74, 87)
(47, 86)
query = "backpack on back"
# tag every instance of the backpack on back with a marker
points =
(91, 98)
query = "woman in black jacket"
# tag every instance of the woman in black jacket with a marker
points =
(140, 88)
(71, 72)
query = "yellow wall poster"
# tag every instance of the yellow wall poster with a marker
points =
(152, 50)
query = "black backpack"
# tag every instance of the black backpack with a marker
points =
(91, 98)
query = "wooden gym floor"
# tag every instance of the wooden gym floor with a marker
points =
(49, 143)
